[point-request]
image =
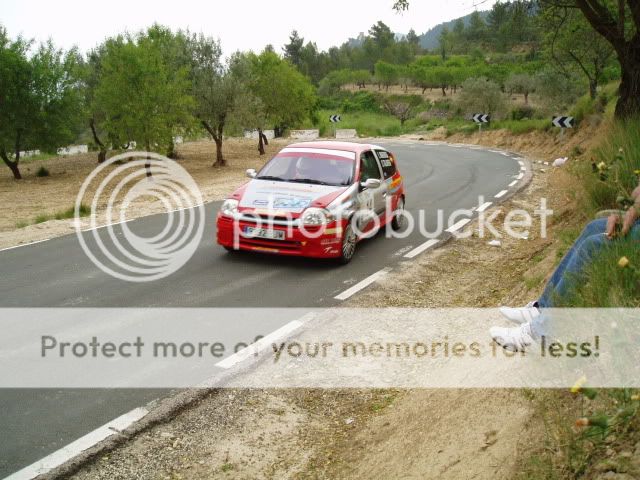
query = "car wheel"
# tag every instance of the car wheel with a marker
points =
(230, 249)
(349, 241)
(398, 220)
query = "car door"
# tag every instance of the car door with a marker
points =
(372, 199)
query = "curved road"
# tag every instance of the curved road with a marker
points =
(56, 273)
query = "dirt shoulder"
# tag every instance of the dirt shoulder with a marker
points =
(482, 434)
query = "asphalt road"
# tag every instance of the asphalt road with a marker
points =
(56, 273)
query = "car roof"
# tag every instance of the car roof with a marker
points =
(336, 145)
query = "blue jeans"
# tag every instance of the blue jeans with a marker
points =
(592, 239)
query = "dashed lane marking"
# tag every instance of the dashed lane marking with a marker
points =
(362, 284)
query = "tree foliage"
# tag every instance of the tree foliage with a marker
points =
(481, 95)
(40, 98)
(287, 95)
(145, 99)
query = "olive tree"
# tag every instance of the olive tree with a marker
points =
(287, 96)
(481, 95)
(143, 98)
(521, 83)
(40, 98)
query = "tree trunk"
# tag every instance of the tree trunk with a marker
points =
(262, 141)
(147, 165)
(526, 98)
(629, 103)
(593, 89)
(220, 161)
(444, 91)
(102, 154)
(628, 51)
(13, 166)
(171, 151)
(217, 138)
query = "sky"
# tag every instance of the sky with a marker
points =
(239, 24)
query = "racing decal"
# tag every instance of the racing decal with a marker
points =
(394, 184)
(284, 196)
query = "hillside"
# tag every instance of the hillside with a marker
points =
(430, 39)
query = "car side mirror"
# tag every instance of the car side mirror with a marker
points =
(251, 173)
(371, 183)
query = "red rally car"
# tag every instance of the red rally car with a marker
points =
(314, 199)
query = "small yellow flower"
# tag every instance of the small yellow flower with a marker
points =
(623, 262)
(637, 172)
(635, 397)
(602, 166)
(579, 384)
(620, 150)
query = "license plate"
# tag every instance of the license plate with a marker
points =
(268, 233)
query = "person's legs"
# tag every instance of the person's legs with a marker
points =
(575, 263)
(595, 228)
(535, 321)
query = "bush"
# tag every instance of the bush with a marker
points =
(556, 92)
(521, 112)
(361, 102)
(584, 107)
(480, 95)
(42, 172)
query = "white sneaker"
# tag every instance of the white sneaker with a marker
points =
(521, 315)
(515, 339)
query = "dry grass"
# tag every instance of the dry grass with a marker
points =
(42, 197)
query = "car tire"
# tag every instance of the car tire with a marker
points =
(397, 222)
(230, 249)
(348, 245)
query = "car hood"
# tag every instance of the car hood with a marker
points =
(287, 197)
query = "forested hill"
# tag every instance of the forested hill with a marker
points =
(430, 40)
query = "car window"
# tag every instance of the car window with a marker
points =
(368, 166)
(318, 168)
(387, 163)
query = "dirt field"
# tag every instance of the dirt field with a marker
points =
(318, 434)
(34, 196)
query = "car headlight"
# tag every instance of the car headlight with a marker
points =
(229, 207)
(316, 216)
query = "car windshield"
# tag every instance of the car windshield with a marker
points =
(310, 167)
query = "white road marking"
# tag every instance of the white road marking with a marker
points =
(513, 183)
(75, 448)
(24, 244)
(521, 163)
(500, 194)
(363, 284)
(421, 248)
(484, 206)
(458, 225)
(519, 177)
(258, 346)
